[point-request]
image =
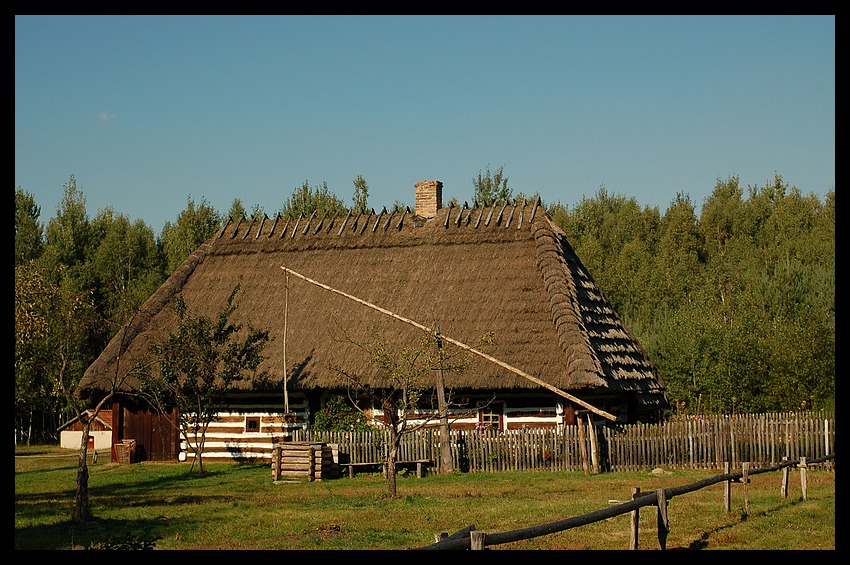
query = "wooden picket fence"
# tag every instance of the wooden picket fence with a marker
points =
(692, 442)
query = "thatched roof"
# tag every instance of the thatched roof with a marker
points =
(502, 269)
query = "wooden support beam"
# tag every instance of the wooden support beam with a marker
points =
(490, 358)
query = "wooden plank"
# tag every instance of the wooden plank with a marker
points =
(663, 522)
(634, 521)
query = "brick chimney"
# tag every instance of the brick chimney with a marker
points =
(429, 198)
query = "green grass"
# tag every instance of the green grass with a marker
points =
(237, 506)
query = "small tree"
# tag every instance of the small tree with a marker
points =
(361, 195)
(491, 187)
(408, 391)
(340, 416)
(319, 199)
(198, 364)
(407, 369)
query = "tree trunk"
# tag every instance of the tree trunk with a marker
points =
(200, 451)
(446, 465)
(198, 454)
(395, 439)
(81, 505)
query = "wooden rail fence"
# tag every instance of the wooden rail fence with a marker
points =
(694, 442)
(470, 538)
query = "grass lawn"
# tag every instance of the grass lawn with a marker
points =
(238, 506)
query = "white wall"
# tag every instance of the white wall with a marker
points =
(70, 439)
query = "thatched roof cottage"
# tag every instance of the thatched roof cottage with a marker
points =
(505, 270)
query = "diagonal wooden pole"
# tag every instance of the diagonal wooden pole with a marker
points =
(490, 358)
(285, 368)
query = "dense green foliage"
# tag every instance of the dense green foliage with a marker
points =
(491, 187)
(735, 303)
(338, 415)
(195, 225)
(317, 200)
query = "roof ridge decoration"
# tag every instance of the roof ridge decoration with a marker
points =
(344, 222)
(366, 221)
(249, 229)
(236, 229)
(309, 221)
(319, 222)
(489, 216)
(510, 216)
(274, 225)
(319, 225)
(262, 223)
(501, 213)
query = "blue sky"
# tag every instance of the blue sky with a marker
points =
(147, 112)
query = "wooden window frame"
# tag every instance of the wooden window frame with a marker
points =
(494, 418)
(249, 420)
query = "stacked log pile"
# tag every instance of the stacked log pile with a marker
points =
(312, 461)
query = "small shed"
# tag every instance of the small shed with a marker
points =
(100, 431)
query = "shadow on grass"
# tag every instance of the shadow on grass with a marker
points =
(702, 542)
(181, 488)
(97, 533)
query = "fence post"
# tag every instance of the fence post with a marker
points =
(785, 472)
(663, 523)
(276, 463)
(745, 477)
(594, 444)
(476, 539)
(826, 436)
(803, 468)
(633, 541)
(727, 489)
(583, 443)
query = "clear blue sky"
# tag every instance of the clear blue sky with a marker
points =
(147, 112)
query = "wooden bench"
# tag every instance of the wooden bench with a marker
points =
(421, 466)
(353, 466)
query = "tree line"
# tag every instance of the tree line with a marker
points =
(734, 304)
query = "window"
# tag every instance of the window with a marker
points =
(491, 416)
(252, 424)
